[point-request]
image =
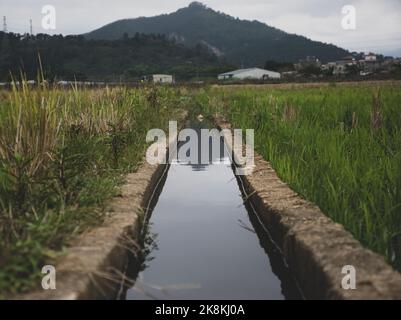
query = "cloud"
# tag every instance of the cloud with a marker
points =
(378, 26)
(378, 22)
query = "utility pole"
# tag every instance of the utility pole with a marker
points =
(30, 27)
(4, 23)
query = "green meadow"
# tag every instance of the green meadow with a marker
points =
(338, 146)
(64, 152)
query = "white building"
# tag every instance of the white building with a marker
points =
(370, 57)
(162, 78)
(251, 73)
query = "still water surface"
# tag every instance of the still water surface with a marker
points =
(205, 243)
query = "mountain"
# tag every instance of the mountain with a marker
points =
(75, 57)
(243, 42)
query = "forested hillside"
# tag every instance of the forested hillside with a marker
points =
(74, 57)
(243, 42)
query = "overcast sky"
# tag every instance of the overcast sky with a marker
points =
(378, 26)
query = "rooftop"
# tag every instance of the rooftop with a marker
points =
(243, 70)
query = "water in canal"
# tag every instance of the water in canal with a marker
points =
(202, 242)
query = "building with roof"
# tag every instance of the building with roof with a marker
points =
(250, 74)
(159, 78)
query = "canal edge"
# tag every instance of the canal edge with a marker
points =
(315, 248)
(93, 268)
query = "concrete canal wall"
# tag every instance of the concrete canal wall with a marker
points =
(315, 247)
(93, 267)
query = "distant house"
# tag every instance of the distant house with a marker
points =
(340, 67)
(251, 74)
(370, 64)
(370, 57)
(159, 78)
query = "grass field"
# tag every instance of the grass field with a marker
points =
(338, 146)
(62, 154)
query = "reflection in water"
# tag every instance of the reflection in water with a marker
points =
(149, 247)
(207, 242)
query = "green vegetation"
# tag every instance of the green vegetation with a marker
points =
(279, 66)
(125, 59)
(62, 154)
(339, 147)
(240, 41)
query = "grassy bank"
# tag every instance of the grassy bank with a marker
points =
(62, 154)
(339, 147)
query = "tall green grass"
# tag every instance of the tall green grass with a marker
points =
(339, 147)
(62, 154)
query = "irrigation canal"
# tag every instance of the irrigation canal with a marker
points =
(202, 242)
